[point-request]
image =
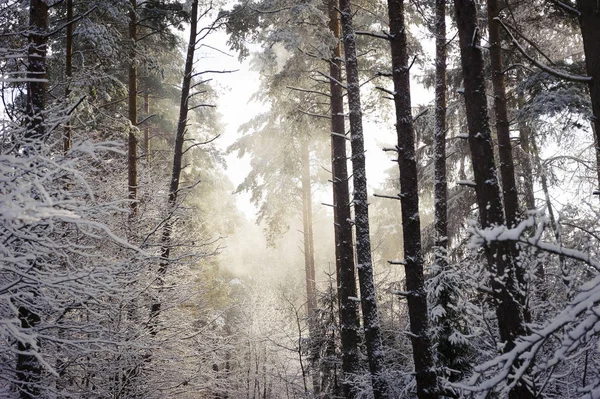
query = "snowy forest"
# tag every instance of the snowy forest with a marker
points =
(277, 199)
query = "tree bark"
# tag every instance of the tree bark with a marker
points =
(309, 263)
(147, 128)
(439, 140)
(177, 162)
(525, 138)
(507, 168)
(36, 70)
(508, 299)
(28, 368)
(344, 249)
(448, 351)
(589, 21)
(133, 116)
(368, 301)
(427, 384)
(68, 71)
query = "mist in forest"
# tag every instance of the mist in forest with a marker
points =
(274, 199)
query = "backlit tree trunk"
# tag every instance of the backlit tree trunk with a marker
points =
(501, 265)
(344, 249)
(133, 116)
(309, 261)
(361, 210)
(589, 21)
(182, 124)
(507, 168)
(427, 386)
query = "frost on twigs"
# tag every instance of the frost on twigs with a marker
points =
(60, 265)
(556, 354)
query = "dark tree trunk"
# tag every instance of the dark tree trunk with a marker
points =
(147, 128)
(133, 116)
(28, 368)
(525, 138)
(36, 70)
(368, 300)
(309, 263)
(439, 139)
(68, 71)
(427, 385)
(448, 351)
(507, 168)
(501, 264)
(177, 162)
(344, 249)
(589, 21)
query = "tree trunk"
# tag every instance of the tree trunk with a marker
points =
(501, 265)
(439, 141)
(344, 249)
(177, 162)
(133, 117)
(309, 264)
(147, 128)
(589, 21)
(507, 168)
(368, 301)
(36, 71)
(427, 385)
(68, 71)
(28, 368)
(525, 138)
(448, 351)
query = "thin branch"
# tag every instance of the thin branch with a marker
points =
(545, 68)
(63, 26)
(315, 115)
(145, 119)
(201, 105)
(566, 7)
(394, 197)
(307, 91)
(384, 36)
(426, 110)
(202, 143)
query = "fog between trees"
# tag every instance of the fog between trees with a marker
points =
(468, 269)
